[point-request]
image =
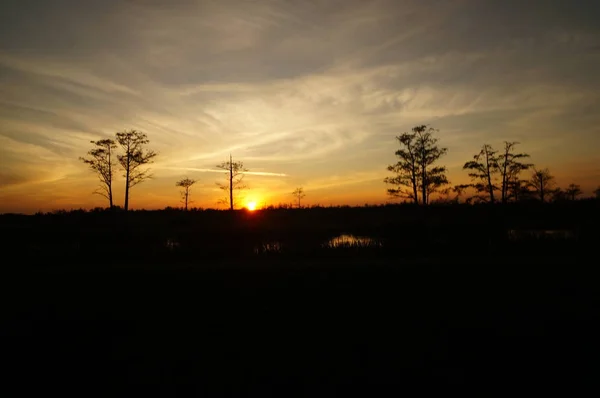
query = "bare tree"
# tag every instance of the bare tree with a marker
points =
(510, 166)
(483, 168)
(101, 162)
(235, 176)
(186, 185)
(416, 173)
(299, 194)
(135, 156)
(573, 191)
(542, 183)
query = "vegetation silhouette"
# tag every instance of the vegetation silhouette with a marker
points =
(101, 161)
(235, 182)
(542, 183)
(186, 185)
(416, 174)
(490, 168)
(133, 158)
(299, 194)
(322, 300)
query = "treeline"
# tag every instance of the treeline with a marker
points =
(201, 236)
(496, 175)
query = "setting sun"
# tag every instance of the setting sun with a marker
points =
(251, 206)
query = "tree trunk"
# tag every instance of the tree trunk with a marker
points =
(504, 179)
(230, 183)
(414, 183)
(423, 183)
(110, 197)
(186, 198)
(489, 175)
(126, 205)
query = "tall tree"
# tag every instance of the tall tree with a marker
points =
(416, 173)
(235, 176)
(510, 165)
(134, 157)
(299, 194)
(542, 183)
(101, 161)
(483, 168)
(186, 185)
(406, 170)
(573, 191)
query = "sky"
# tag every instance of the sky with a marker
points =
(306, 93)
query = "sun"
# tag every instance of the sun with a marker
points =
(251, 206)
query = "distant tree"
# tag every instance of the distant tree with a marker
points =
(101, 161)
(510, 166)
(483, 168)
(299, 194)
(134, 157)
(558, 195)
(597, 193)
(518, 189)
(416, 173)
(235, 176)
(542, 183)
(185, 184)
(573, 191)
(446, 194)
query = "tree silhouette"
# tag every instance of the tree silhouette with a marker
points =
(185, 184)
(510, 167)
(415, 171)
(597, 193)
(406, 170)
(299, 194)
(558, 195)
(235, 176)
(135, 155)
(483, 167)
(573, 191)
(518, 189)
(446, 193)
(101, 162)
(542, 183)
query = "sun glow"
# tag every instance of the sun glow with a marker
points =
(251, 206)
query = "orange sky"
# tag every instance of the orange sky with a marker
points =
(310, 94)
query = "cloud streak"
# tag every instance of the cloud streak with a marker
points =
(256, 173)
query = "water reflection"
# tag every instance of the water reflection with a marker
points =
(346, 241)
(541, 234)
(268, 247)
(172, 244)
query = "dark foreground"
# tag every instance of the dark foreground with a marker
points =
(303, 327)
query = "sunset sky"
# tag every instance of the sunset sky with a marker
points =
(306, 93)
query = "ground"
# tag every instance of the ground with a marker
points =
(302, 327)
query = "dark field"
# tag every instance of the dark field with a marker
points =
(448, 299)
